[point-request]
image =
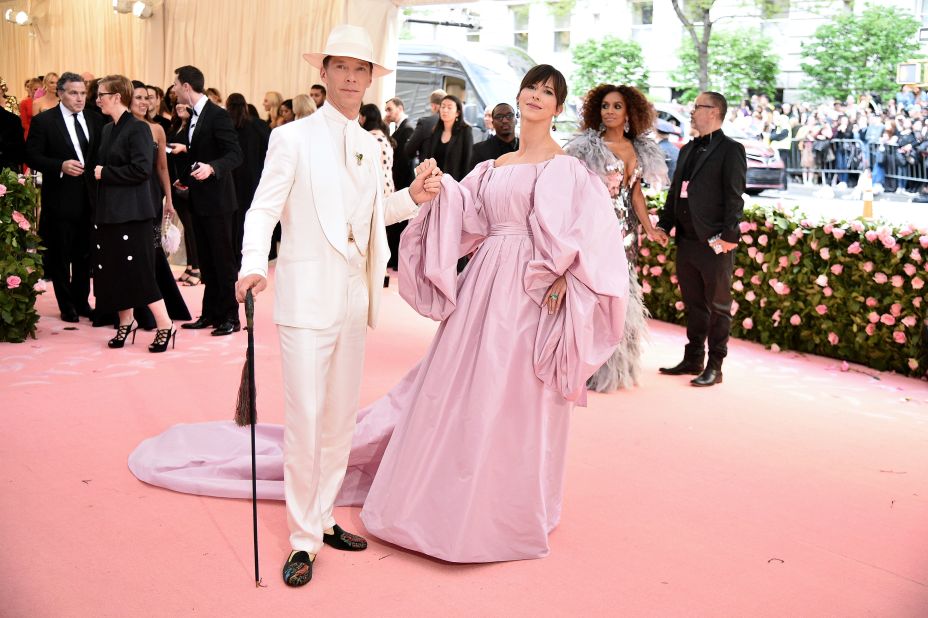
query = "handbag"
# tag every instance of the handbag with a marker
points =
(170, 236)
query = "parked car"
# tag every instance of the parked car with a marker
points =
(480, 76)
(766, 170)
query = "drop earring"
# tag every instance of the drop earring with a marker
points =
(626, 126)
(602, 127)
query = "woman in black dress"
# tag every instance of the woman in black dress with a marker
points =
(124, 253)
(253, 136)
(452, 140)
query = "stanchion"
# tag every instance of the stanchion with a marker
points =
(866, 193)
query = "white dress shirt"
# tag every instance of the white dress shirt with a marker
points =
(69, 123)
(195, 118)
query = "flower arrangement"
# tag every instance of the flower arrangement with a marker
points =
(20, 260)
(849, 289)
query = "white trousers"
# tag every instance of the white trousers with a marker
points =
(322, 383)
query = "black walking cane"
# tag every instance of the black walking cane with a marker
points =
(246, 413)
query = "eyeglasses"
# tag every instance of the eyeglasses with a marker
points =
(703, 106)
(508, 116)
(103, 94)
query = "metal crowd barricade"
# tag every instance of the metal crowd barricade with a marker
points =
(850, 157)
(906, 168)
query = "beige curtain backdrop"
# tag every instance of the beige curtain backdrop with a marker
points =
(246, 46)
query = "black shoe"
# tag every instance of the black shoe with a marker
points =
(200, 324)
(69, 315)
(684, 368)
(122, 333)
(298, 570)
(85, 311)
(708, 377)
(162, 337)
(345, 541)
(227, 328)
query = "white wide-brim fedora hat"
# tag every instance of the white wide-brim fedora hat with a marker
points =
(350, 41)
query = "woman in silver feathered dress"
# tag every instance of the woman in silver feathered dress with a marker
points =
(615, 145)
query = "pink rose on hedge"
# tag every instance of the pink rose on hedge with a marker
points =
(739, 272)
(874, 317)
(776, 316)
(918, 283)
(747, 323)
(821, 281)
(814, 245)
(752, 251)
(905, 230)
(795, 320)
(827, 291)
(645, 251)
(837, 269)
(915, 255)
(913, 364)
(21, 181)
(833, 338)
(887, 319)
(821, 309)
(828, 228)
(783, 261)
(763, 302)
(646, 287)
(2, 190)
(762, 240)
(755, 279)
(747, 239)
(792, 240)
(661, 259)
(871, 328)
(899, 336)
(765, 267)
(805, 223)
(867, 266)
(854, 248)
(734, 307)
(24, 225)
(673, 279)
(12, 282)
(888, 241)
(679, 305)
(871, 302)
(17, 216)
(909, 321)
(896, 309)
(737, 285)
(796, 256)
(838, 233)
(871, 235)
(750, 296)
(656, 271)
(745, 227)
(645, 269)
(825, 253)
(917, 302)
(880, 278)
(923, 241)
(897, 281)
(759, 257)
(857, 226)
(910, 269)
(40, 286)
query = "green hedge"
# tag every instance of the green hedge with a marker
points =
(849, 289)
(20, 260)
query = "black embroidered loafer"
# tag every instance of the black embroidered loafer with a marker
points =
(298, 570)
(345, 541)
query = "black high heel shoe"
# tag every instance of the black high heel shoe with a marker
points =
(122, 333)
(162, 337)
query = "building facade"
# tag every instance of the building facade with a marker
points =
(547, 29)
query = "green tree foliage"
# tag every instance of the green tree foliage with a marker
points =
(609, 60)
(857, 54)
(739, 61)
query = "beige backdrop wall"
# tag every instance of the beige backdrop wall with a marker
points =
(246, 46)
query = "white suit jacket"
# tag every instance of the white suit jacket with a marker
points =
(300, 187)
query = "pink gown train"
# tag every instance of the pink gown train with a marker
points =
(463, 459)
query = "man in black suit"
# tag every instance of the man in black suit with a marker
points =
(424, 127)
(504, 139)
(62, 144)
(704, 204)
(12, 144)
(213, 150)
(403, 169)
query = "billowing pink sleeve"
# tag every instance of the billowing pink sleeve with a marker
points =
(447, 227)
(576, 234)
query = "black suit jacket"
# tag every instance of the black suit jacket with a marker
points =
(457, 157)
(420, 137)
(715, 189)
(127, 155)
(215, 142)
(12, 144)
(253, 138)
(47, 147)
(403, 170)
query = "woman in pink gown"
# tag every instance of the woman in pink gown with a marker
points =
(463, 460)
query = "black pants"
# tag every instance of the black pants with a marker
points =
(393, 240)
(215, 244)
(705, 282)
(67, 260)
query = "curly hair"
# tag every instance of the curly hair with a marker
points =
(638, 109)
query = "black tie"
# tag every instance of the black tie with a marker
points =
(81, 137)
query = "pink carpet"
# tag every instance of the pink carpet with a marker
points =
(792, 489)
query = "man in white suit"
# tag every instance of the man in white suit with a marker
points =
(322, 181)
